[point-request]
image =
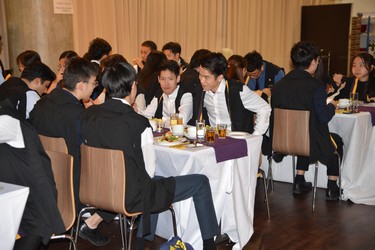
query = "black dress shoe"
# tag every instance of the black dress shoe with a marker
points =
(332, 194)
(93, 235)
(303, 187)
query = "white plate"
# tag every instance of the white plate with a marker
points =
(189, 137)
(167, 143)
(237, 134)
(343, 106)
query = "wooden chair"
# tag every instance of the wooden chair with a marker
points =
(102, 186)
(54, 144)
(291, 137)
(62, 167)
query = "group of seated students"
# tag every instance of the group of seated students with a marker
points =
(103, 101)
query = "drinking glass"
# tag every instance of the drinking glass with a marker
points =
(222, 131)
(354, 102)
(173, 119)
(210, 134)
(200, 128)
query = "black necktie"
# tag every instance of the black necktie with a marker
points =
(256, 85)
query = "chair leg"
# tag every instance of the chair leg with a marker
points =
(64, 236)
(294, 167)
(340, 187)
(265, 191)
(132, 222)
(270, 176)
(123, 231)
(173, 220)
(83, 210)
(315, 185)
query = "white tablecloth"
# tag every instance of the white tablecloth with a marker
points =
(12, 203)
(233, 185)
(358, 166)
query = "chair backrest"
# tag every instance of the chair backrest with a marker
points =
(54, 144)
(103, 176)
(62, 167)
(291, 132)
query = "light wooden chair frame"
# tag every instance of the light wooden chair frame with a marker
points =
(62, 167)
(103, 184)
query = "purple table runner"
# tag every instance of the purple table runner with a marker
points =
(368, 109)
(229, 148)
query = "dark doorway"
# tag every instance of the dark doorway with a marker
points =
(328, 26)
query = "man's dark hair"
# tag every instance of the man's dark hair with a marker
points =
(174, 47)
(197, 56)
(28, 57)
(68, 54)
(150, 44)
(112, 60)
(78, 70)
(171, 66)
(215, 63)
(98, 48)
(302, 54)
(118, 79)
(254, 61)
(38, 70)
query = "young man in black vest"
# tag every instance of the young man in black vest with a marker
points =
(172, 97)
(261, 74)
(25, 91)
(300, 90)
(230, 102)
(114, 124)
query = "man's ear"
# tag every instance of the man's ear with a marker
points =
(79, 86)
(220, 77)
(178, 78)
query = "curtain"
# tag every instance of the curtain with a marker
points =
(269, 26)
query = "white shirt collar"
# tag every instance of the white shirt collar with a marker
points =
(221, 88)
(123, 100)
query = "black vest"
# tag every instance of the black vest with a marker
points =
(241, 118)
(15, 90)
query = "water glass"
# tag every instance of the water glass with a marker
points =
(200, 128)
(354, 102)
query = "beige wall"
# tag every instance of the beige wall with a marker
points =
(33, 25)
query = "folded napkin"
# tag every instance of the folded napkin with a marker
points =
(229, 148)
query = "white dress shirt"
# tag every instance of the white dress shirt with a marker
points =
(31, 99)
(147, 145)
(185, 110)
(10, 132)
(217, 109)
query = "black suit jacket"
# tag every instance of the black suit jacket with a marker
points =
(116, 125)
(297, 91)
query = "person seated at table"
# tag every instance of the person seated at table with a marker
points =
(172, 50)
(57, 115)
(115, 125)
(190, 78)
(172, 98)
(301, 91)
(26, 58)
(148, 77)
(228, 101)
(236, 68)
(64, 59)
(146, 48)
(25, 91)
(24, 162)
(362, 81)
(262, 75)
